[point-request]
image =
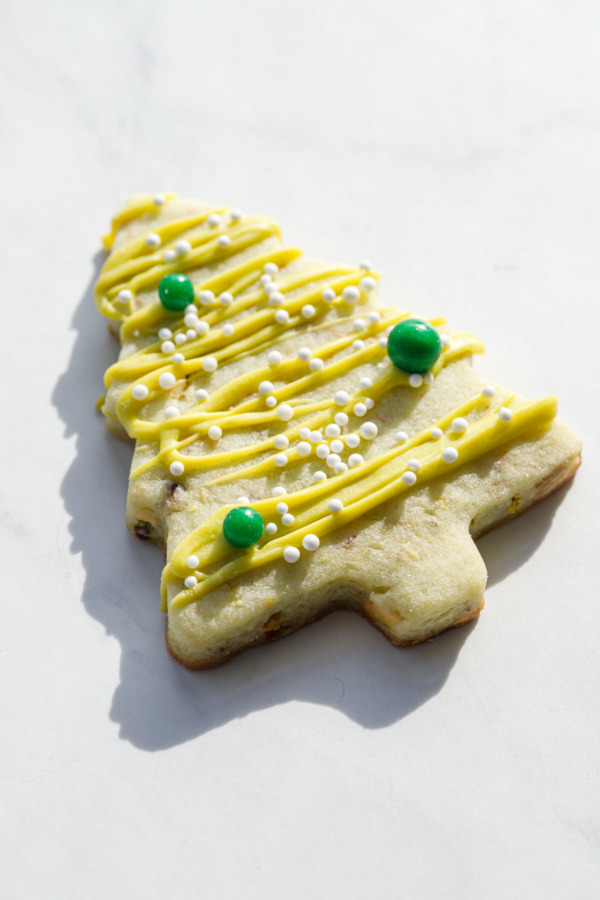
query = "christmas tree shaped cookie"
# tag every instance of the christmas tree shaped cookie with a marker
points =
(300, 447)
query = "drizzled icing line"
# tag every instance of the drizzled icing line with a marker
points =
(358, 490)
(248, 305)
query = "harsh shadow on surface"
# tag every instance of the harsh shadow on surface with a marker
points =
(340, 662)
(505, 549)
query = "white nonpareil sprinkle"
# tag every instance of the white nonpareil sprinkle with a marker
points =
(323, 451)
(415, 380)
(316, 364)
(201, 394)
(409, 478)
(303, 448)
(360, 410)
(271, 528)
(169, 255)
(167, 380)
(335, 506)
(271, 269)
(282, 316)
(210, 364)
(369, 430)
(459, 425)
(271, 287)
(282, 508)
(305, 434)
(202, 328)
(153, 240)
(180, 338)
(328, 295)
(281, 441)
(279, 491)
(436, 433)
(374, 317)
(308, 311)
(359, 324)
(340, 419)
(192, 562)
(264, 280)
(182, 247)
(214, 432)
(336, 446)
(190, 320)
(274, 358)
(304, 354)
(176, 468)
(139, 392)
(206, 298)
(369, 402)
(340, 398)
(367, 284)
(158, 199)
(171, 412)
(332, 431)
(428, 377)
(225, 298)
(164, 334)
(366, 264)
(288, 519)
(332, 460)
(488, 391)
(223, 240)
(311, 542)
(235, 215)
(228, 330)
(243, 500)
(414, 465)
(276, 298)
(167, 347)
(445, 340)
(191, 334)
(190, 308)
(340, 467)
(281, 460)
(355, 459)
(351, 294)
(291, 554)
(505, 414)
(365, 383)
(213, 220)
(285, 412)
(271, 401)
(382, 342)
(316, 437)
(401, 437)
(450, 454)
(191, 581)
(352, 441)
(358, 345)
(319, 476)
(124, 296)
(265, 387)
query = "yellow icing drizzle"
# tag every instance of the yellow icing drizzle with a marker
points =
(361, 490)
(133, 210)
(134, 269)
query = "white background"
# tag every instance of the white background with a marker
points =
(457, 146)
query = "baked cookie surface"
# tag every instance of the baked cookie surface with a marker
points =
(285, 463)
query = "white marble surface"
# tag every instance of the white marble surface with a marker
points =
(456, 145)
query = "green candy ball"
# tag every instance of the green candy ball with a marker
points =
(414, 345)
(243, 526)
(176, 292)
